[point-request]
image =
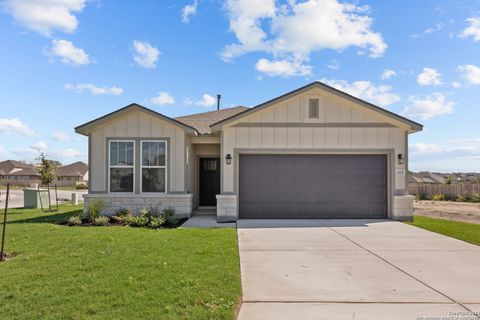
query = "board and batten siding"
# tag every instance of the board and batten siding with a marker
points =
(136, 125)
(297, 131)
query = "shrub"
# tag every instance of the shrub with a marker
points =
(81, 186)
(74, 221)
(147, 218)
(94, 209)
(438, 197)
(170, 217)
(101, 221)
(423, 196)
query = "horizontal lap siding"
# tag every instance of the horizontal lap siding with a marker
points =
(137, 124)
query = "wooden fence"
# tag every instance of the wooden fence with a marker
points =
(451, 190)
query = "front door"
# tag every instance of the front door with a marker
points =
(209, 181)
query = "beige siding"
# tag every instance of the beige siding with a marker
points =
(333, 109)
(137, 124)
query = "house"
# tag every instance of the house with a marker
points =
(18, 173)
(315, 152)
(74, 172)
(428, 178)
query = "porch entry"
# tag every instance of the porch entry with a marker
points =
(209, 171)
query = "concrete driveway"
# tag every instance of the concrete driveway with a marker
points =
(355, 269)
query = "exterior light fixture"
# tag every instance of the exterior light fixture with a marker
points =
(401, 159)
(228, 159)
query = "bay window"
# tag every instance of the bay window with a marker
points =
(121, 165)
(153, 166)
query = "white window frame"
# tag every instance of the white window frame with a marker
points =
(154, 167)
(125, 167)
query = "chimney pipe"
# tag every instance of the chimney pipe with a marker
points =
(219, 96)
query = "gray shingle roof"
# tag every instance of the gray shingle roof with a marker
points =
(202, 121)
(76, 169)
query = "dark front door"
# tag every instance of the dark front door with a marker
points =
(209, 181)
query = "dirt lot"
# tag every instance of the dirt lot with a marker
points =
(459, 211)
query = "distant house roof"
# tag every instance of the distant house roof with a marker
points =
(427, 177)
(8, 165)
(202, 121)
(29, 171)
(76, 169)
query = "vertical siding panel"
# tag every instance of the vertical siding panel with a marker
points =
(383, 137)
(144, 125)
(255, 136)
(120, 128)
(281, 137)
(229, 139)
(345, 138)
(293, 137)
(332, 136)
(180, 163)
(331, 111)
(132, 125)
(370, 138)
(319, 137)
(293, 110)
(358, 138)
(243, 137)
(268, 138)
(306, 137)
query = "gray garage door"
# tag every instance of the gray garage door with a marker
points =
(313, 186)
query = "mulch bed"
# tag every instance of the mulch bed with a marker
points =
(116, 223)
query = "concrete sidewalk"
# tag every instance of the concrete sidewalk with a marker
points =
(354, 269)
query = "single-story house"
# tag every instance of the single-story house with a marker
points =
(18, 172)
(315, 152)
(74, 172)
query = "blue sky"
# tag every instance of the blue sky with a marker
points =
(65, 62)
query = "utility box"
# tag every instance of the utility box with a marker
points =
(32, 198)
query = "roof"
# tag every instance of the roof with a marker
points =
(30, 171)
(8, 165)
(413, 125)
(202, 121)
(76, 169)
(83, 129)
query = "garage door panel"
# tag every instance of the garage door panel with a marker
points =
(313, 186)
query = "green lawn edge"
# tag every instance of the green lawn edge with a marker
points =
(465, 231)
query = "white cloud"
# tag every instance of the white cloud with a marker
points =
(46, 15)
(429, 77)
(163, 98)
(93, 89)
(292, 31)
(334, 64)
(429, 106)
(40, 146)
(458, 146)
(471, 73)
(387, 74)
(68, 53)
(473, 30)
(15, 126)
(188, 11)
(456, 84)
(65, 153)
(284, 68)
(381, 95)
(145, 54)
(207, 101)
(60, 136)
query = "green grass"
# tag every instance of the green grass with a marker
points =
(468, 232)
(65, 272)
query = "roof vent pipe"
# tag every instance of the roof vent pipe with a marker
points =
(219, 96)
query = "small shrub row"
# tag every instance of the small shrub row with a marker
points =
(81, 186)
(445, 197)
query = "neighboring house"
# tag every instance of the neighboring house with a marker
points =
(428, 178)
(315, 152)
(74, 172)
(18, 173)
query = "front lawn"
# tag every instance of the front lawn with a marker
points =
(468, 232)
(63, 272)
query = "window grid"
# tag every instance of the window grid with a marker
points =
(110, 166)
(142, 166)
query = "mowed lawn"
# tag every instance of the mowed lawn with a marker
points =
(65, 272)
(468, 232)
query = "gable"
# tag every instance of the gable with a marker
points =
(336, 109)
(128, 114)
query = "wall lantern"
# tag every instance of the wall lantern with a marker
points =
(401, 159)
(228, 159)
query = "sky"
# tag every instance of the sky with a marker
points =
(66, 62)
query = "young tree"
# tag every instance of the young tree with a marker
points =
(47, 174)
(449, 180)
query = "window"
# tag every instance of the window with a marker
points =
(154, 166)
(313, 111)
(121, 166)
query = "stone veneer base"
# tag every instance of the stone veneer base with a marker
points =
(403, 208)
(136, 202)
(227, 207)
